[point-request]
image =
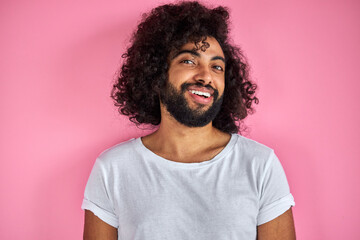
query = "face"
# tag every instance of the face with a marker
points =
(196, 82)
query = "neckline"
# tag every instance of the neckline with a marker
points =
(160, 160)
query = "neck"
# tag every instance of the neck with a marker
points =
(178, 142)
(185, 136)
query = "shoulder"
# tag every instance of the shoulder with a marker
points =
(251, 150)
(250, 146)
(117, 153)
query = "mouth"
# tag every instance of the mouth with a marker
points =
(200, 93)
(201, 98)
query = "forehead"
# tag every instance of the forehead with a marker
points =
(210, 46)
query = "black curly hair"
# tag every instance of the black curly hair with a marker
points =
(145, 68)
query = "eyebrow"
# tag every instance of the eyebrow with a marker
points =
(195, 53)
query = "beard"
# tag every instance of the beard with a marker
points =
(178, 107)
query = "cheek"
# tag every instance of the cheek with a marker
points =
(172, 76)
(177, 76)
(220, 85)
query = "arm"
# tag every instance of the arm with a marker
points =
(96, 229)
(281, 228)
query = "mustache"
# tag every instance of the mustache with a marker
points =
(184, 86)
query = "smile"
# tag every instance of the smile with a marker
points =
(199, 93)
(199, 97)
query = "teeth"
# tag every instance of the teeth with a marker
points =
(205, 94)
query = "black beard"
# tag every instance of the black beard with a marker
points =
(176, 104)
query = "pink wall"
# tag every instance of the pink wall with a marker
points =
(58, 59)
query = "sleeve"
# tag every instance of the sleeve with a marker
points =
(275, 196)
(97, 197)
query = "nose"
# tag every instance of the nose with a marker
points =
(203, 75)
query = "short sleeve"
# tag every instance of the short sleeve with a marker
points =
(275, 196)
(97, 197)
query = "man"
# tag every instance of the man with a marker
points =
(194, 177)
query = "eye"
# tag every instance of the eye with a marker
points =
(187, 61)
(219, 68)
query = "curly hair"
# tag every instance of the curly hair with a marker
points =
(144, 71)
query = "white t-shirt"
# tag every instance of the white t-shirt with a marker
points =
(149, 197)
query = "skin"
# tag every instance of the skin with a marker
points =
(280, 228)
(177, 142)
(96, 229)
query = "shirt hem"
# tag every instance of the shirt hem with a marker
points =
(275, 209)
(100, 213)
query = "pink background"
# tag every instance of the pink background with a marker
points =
(58, 60)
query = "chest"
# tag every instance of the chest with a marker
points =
(212, 206)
